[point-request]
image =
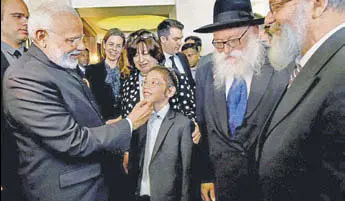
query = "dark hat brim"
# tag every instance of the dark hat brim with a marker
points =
(210, 28)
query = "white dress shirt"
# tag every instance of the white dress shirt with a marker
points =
(153, 127)
(82, 68)
(141, 89)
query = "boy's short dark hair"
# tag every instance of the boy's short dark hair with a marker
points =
(163, 28)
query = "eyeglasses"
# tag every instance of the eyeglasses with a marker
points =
(276, 6)
(73, 40)
(230, 43)
(153, 84)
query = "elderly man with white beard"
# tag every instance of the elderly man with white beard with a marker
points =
(301, 150)
(61, 136)
(235, 94)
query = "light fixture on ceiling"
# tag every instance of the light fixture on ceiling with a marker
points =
(131, 23)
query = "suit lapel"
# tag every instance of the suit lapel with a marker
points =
(307, 78)
(186, 68)
(4, 64)
(35, 52)
(163, 131)
(141, 144)
(221, 110)
(219, 102)
(258, 87)
(87, 91)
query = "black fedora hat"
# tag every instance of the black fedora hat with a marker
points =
(229, 14)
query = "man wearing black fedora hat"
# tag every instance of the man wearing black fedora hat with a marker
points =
(235, 94)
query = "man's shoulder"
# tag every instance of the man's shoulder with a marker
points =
(181, 119)
(204, 69)
(181, 55)
(98, 67)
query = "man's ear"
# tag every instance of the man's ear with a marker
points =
(163, 39)
(41, 37)
(171, 91)
(319, 7)
(256, 29)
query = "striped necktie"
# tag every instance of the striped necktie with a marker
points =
(173, 64)
(294, 74)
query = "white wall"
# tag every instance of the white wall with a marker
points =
(33, 4)
(194, 14)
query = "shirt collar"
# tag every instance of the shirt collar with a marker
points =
(82, 68)
(9, 49)
(316, 46)
(162, 112)
(167, 56)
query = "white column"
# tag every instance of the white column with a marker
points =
(194, 14)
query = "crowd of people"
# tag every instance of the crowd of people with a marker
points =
(260, 118)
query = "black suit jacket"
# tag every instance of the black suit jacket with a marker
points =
(301, 154)
(9, 153)
(186, 68)
(231, 160)
(60, 134)
(109, 106)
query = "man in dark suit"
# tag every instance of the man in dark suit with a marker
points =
(60, 133)
(301, 151)
(83, 62)
(170, 36)
(235, 94)
(14, 14)
(161, 154)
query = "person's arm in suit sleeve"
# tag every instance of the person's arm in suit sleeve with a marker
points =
(38, 107)
(186, 97)
(205, 166)
(186, 144)
(332, 128)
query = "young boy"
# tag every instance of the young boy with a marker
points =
(161, 154)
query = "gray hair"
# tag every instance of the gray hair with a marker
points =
(42, 17)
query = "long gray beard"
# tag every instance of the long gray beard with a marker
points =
(286, 47)
(249, 60)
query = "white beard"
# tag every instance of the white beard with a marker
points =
(286, 47)
(64, 59)
(251, 59)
